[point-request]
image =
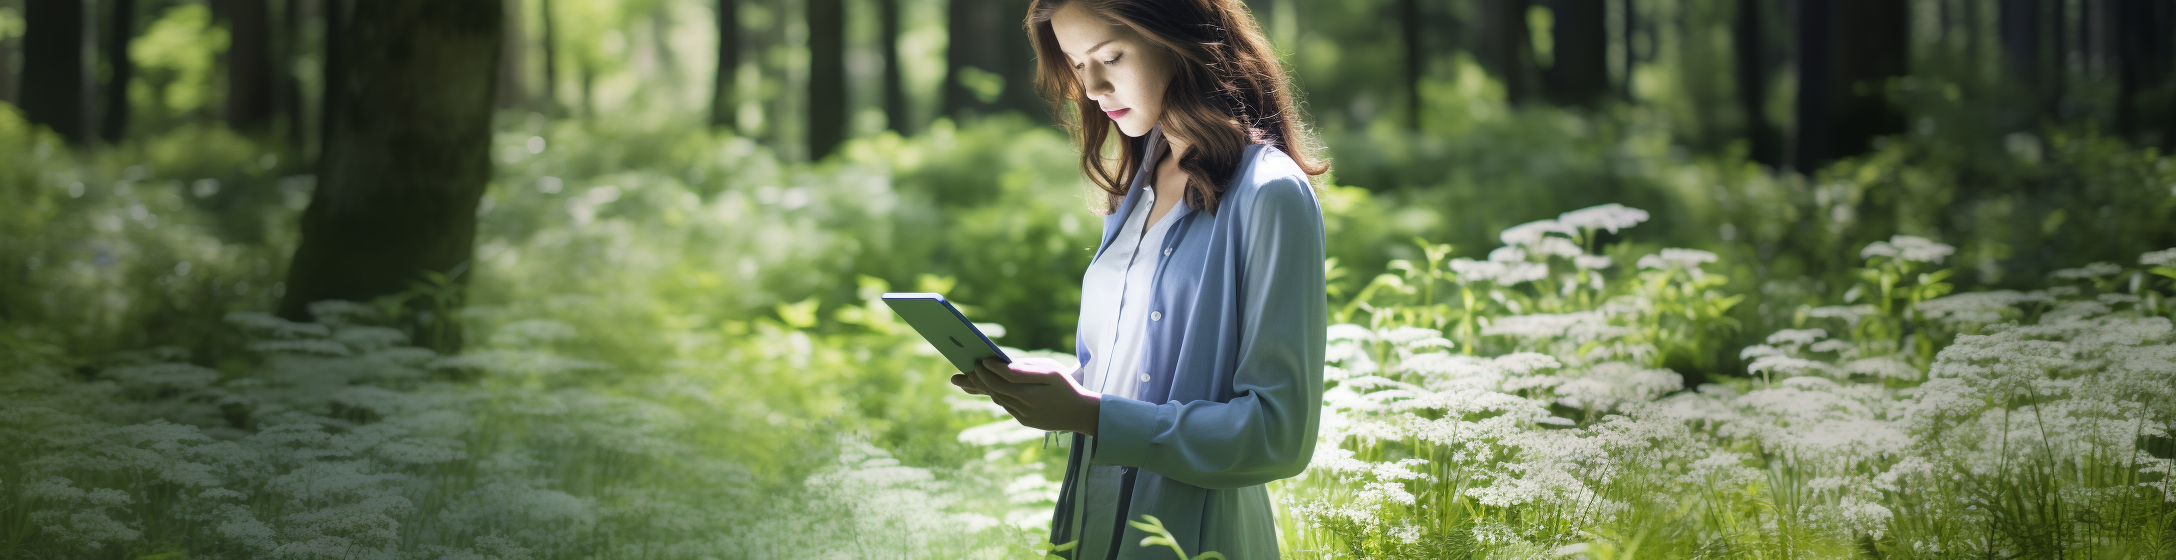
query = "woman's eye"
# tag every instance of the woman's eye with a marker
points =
(1114, 60)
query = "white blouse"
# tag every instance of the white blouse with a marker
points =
(1114, 316)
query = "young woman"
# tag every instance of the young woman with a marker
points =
(1203, 314)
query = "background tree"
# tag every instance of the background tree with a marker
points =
(989, 66)
(1578, 72)
(827, 107)
(723, 108)
(250, 87)
(407, 137)
(513, 64)
(121, 26)
(1847, 52)
(895, 91)
(1503, 46)
(2145, 56)
(1749, 34)
(57, 82)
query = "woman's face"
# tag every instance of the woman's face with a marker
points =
(1118, 68)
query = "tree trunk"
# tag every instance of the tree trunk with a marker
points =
(1751, 39)
(8, 45)
(407, 138)
(294, 14)
(989, 50)
(2144, 58)
(1579, 74)
(1503, 46)
(2019, 22)
(1843, 76)
(57, 81)
(1630, 11)
(1415, 60)
(827, 105)
(249, 65)
(513, 66)
(548, 92)
(724, 108)
(113, 123)
(895, 91)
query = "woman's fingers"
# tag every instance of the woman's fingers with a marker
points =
(1020, 372)
(967, 384)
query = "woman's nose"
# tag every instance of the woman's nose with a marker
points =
(1094, 83)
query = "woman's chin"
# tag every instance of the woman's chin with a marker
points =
(1133, 129)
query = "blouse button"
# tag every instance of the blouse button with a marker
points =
(1144, 378)
(1155, 315)
(1167, 251)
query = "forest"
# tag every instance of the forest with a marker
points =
(1608, 279)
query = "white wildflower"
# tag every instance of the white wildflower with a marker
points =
(2164, 257)
(2087, 272)
(1787, 365)
(1610, 217)
(1002, 432)
(1558, 247)
(1531, 232)
(1849, 313)
(1886, 367)
(1591, 262)
(1349, 331)
(1909, 248)
(1796, 337)
(1507, 254)
(1506, 274)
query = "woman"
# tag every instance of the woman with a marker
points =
(1202, 324)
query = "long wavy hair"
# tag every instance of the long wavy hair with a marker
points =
(1228, 92)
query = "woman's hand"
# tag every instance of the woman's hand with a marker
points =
(1036, 392)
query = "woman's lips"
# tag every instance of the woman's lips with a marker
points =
(1118, 113)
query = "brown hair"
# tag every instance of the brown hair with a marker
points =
(1228, 92)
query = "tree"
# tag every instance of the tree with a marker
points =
(895, 92)
(113, 124)
(250, 92)
(1578, 73)
(513, 76)
(1843, 73)
(723, 109)
(1416, 53)
(1750, 37)
(2022, 49)
(2145, 62)
(549, 91)
(989, 66)
(57, 81)
(406, 157)
(826, 77)
(1503, 46)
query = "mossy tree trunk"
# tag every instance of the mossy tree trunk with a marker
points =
(407, 138)
(827, 105)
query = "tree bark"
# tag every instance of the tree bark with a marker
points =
(57, 81)
(827, 105)
(113, 123)
(895, 91)
(1504, 47)
(2019, 27)
(249, 65)
(1579, 74)
(724, 109)
(406, 159)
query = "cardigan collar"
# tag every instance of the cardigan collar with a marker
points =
(1117, 218)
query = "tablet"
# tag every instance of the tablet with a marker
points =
(945, 328)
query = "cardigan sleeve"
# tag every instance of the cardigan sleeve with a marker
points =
(1267, 431)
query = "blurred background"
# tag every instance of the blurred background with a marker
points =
(690, 204)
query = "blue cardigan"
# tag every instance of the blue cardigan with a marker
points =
(1235, 362)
